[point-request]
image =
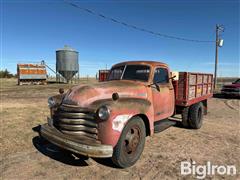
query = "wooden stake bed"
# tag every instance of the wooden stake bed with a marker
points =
(191, 88)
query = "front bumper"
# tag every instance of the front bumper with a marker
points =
(79, 146)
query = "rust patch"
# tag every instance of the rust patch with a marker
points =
(141, 105)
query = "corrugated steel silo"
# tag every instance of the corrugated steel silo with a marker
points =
(67, 62)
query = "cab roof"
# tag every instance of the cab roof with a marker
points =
(142, 62)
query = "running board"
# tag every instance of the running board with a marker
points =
(161, 125)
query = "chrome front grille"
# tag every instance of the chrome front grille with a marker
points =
(76, 121)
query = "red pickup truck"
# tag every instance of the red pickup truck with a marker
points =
(231, 89)
(112, 118)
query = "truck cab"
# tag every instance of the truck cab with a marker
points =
(112, 118)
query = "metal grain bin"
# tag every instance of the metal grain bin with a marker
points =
(67, 62)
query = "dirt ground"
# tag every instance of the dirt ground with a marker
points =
(25, 156)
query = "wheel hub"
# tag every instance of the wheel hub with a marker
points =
(132, 140)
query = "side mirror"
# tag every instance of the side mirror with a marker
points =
(172, 77)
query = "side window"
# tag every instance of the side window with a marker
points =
(161, 76)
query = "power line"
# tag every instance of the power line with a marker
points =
(133, 26)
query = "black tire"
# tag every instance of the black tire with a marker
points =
(130, 144)
(196, 115)
(185, 117)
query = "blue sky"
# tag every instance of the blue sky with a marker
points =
(33, 30)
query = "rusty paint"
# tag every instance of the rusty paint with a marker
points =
(58, 98)
(134, 98)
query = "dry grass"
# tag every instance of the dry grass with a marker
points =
(25, 156)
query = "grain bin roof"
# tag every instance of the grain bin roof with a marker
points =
(66, 48)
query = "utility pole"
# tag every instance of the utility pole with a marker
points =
(216, 58)
(219, 43)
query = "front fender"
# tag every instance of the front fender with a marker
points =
(120, 113)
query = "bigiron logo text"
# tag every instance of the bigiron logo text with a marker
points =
(208, 169)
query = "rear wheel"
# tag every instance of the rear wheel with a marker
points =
(185, 117)
(131, 143)
(196, 115)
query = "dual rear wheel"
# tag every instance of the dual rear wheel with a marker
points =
(192, 117)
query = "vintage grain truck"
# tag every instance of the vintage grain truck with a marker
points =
(112, 118)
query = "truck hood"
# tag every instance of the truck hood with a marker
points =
(86, 95)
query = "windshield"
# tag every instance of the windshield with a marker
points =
(130, 72)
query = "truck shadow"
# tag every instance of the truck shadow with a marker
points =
(56, 153)
(64, 156)
(106, 162)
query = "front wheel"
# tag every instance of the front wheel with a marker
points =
(131, 143)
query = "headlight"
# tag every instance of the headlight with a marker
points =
(51, 102)
(103, 113)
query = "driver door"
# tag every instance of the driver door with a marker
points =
(162, 94)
